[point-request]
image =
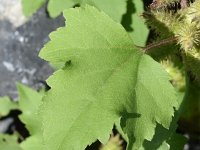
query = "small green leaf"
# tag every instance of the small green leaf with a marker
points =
(31, 6)
(114, 8)
(56, 7)
(140, 30)
(9, 142)
(105, 78)
(134, 23)
(6, 105)
(29, 102)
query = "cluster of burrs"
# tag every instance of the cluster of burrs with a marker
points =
(183, 23)
(189, 32)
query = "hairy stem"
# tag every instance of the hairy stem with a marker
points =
(160, 43)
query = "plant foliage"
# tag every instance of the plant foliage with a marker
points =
(30, 7)
(105, 81)
(128, 12)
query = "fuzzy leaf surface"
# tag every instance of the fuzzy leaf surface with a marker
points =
(105, 78)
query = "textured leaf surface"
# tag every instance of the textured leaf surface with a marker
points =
(31, 6)
(114, 8)
(6, 105)
(33, 143)
(105, 78)
(9, 142)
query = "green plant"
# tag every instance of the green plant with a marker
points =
(124, 11)
(104, 80)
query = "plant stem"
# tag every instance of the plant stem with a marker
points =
(160, 43)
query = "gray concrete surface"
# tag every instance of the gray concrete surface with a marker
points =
(12, 10)
(19, 48)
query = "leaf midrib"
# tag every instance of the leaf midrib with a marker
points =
(106, 81)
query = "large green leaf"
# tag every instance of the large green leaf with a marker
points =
(33, 142)
(31, 6)
(105, 78)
